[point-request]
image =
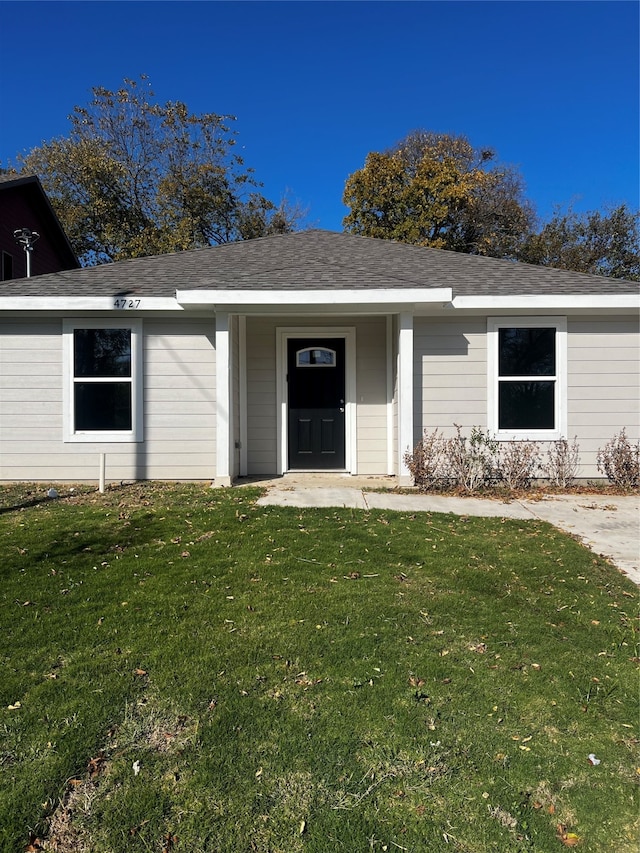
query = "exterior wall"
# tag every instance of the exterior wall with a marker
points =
(603, 384)
(179, 407)
(371, 395)
(450, 387)
(603, 367)
(370, 390)
(450, 374)
(261, 397)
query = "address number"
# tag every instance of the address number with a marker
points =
(126, 303)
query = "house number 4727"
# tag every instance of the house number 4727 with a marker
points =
(121, 302)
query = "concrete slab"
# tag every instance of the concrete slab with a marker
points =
(609, 526)
(441, 503)
(315, 497)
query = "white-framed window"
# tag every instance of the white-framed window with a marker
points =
(103, 380)
(527, 377)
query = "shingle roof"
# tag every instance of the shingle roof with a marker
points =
(316, 260)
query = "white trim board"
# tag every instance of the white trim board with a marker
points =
(552, 302)
(342, 296)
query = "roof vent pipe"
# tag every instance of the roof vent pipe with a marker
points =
(26, 238)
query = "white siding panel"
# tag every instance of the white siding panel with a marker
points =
(588, 392)
(179, 407)
(371, 395)
(29, 369)
(261, 396)
(603, 384)
(450, 374)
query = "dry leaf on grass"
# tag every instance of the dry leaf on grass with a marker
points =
(569, 839)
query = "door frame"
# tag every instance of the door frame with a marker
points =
(348, 333)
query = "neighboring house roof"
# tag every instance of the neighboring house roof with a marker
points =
(44, 218)
(317, 260)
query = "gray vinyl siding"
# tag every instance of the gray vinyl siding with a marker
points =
(30, 399)
(370, 390)
(603, 384)
(603, 380)
(371, 395)
(179, 407)
(450, 387)
(261, 397)
(450, 374)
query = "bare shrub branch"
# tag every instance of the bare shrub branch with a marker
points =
(563, 462)
(619, 460)
(518, 463)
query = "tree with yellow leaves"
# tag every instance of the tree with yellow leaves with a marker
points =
(437, 190)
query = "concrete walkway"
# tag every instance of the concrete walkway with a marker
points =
(608, 525)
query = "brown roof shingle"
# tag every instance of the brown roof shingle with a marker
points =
(316, 260)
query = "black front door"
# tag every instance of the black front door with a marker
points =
(316, 399)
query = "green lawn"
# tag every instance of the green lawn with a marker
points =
(183, 670)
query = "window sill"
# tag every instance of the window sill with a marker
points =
(102, 438)
(528, 435)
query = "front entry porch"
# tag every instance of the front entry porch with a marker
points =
(308, 396)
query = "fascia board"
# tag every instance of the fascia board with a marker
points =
(302, 298)
(548, 303)
(124, 304)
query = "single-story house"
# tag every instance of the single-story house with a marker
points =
(311, 351)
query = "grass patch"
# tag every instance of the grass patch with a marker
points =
(185, 670)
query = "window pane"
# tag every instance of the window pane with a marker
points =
(103, 406)
(527, 352)
(311, 357)
(526, 405)
(102, 352)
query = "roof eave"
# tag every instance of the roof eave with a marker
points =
(550, 302)
(370, 300)
(116, 303)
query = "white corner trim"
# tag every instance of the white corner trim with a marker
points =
(223, 397)
(405, 390)
(242, 403)
(391, 466)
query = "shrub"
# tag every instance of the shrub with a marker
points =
(518, 462)
(426, 461)
(619, 459)
(471, 462)
(561, 467)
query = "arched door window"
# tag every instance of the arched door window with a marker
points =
(316, 357)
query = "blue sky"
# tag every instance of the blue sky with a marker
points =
(315, 86)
